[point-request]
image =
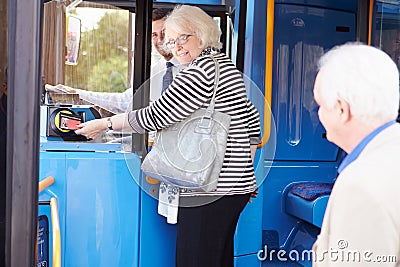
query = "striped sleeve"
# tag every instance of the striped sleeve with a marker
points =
(253, 123)
(189, 91)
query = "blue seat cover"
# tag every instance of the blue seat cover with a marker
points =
(308, 200)
(311, 190)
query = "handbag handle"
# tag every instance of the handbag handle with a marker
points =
(210, 109)
(216, 80)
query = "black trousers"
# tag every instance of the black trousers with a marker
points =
(205, 233)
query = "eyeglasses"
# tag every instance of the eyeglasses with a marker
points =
(178, 41)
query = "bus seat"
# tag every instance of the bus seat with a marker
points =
(308, 201)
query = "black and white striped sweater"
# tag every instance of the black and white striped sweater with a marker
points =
(192, 89)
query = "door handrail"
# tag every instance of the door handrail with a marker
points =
(55, 225)
(46, 182)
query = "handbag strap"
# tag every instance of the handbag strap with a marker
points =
(206, 119)
(210, 109)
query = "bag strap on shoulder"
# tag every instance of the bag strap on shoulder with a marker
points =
(210, 108)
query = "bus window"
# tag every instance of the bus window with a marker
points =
(105, 52)
(105, 47)
(387, 28)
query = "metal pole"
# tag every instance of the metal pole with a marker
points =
(363, 20)
(22, 131)
(141, 65)
(241, 35)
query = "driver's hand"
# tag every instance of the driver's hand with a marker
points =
(66, 89)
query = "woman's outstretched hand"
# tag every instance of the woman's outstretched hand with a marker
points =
(92, 129)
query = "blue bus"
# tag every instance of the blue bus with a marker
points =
(73, 202)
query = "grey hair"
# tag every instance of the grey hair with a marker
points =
(365, 77)
(186, 19)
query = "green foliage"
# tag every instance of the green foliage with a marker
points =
(102, 73)
(103, 51)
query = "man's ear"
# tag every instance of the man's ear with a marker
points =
(344, 109)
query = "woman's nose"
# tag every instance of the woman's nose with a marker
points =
(178, 46)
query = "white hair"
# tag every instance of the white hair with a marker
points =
(186, 19)
(365, 77)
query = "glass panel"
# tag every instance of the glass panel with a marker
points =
(104, 51)
(101, 61)
(387, 28)
(87, 49)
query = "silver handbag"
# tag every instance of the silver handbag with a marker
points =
(190, 153)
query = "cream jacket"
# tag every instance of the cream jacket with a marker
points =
(361, 226)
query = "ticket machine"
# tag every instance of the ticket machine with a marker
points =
(95, 197)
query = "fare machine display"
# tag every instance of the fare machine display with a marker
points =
(62, 121)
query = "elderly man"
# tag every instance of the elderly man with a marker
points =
(357, 89)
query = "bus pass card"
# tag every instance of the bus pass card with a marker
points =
(69, 121)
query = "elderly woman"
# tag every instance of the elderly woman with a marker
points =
(205, 232)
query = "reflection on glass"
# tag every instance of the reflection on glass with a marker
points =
(105, 53)
(73, 40)
(387, 28)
